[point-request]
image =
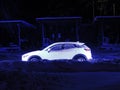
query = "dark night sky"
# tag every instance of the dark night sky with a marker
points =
(52, 8)
(31, 9)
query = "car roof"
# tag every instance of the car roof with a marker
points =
(79, 43)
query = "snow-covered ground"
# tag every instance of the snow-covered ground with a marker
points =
(106, 54)
(17, 80)
(83, 81)
(60, 75)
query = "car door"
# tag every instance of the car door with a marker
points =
(62, 51)
(55, 52)
(69, 50)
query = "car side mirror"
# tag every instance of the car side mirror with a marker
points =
(48, 50)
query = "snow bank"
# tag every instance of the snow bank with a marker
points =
(59, 75)
(60, 66)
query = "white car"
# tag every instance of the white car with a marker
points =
(61, 50)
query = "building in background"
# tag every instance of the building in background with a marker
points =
(16, 35)
(108, 28)
(53, 29)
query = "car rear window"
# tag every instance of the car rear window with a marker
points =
(69, 46)
(80, 46)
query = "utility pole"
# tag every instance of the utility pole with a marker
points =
(93, 7)
(114, 9)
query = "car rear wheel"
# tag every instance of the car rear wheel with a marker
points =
(34, 59)
(80, 58)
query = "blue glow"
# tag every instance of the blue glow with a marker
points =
(55, 18)
(17, 22)
(103, 17)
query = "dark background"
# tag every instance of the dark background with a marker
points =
(31, 9)
(19, 75)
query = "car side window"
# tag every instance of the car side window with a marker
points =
(69, 46)
(56, 47)
(78, 46)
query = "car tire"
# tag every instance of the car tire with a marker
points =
(80, 58)
(34, 59)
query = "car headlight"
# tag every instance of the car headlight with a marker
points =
(24, 56)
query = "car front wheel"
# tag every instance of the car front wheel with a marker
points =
(34, 59)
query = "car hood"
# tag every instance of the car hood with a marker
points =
(34, 52)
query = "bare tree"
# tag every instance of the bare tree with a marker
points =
(8, 9)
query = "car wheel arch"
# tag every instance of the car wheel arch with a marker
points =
(79, 55)
(35, 56)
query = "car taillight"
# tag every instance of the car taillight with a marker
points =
(86, 49)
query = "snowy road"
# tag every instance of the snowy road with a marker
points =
(86, 81)
(75, 76)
